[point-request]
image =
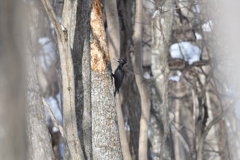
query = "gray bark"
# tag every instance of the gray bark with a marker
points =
(105, 136)
(161, 36)
(113, 31)
(142, 86)
(39, 140)
(178, 142)
(130, 94)
(65, 44)
(114, 52)
(80, 50)
(12, 94)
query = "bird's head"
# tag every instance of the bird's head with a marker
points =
(122, 61)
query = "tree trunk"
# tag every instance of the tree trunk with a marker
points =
(142, 86)
(65, 45)
(130, 94)
(161, 36)
(80, 50)
(114, 52)
(105, 136)
(12, 91)
(39, 140)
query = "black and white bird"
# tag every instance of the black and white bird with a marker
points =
(118, 75)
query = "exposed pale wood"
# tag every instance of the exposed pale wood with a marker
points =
(105, 136)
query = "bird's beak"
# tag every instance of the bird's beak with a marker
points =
(118, 60)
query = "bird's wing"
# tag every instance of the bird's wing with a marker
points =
(118, 75)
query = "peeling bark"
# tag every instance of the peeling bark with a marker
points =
(105, 136)
(99, 49)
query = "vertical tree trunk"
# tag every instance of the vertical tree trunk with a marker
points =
(105, 136)
(131, 98)
(39, 140)
(176, 135)
(142, 87)
(12, 92)
(80, 50)
(113, 31)
(114, 52)
(65, 45)
(161, 36)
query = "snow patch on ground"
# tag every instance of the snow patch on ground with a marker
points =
(198, 36)
(176, 78)
(185, 51)
(146, 75)
(207, 27)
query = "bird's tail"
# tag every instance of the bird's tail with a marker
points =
(116, 91)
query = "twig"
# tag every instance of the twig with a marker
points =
(183, 136)
(55, 122)
(53, 19)
(218, 118)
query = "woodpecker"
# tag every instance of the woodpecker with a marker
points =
(118, 75)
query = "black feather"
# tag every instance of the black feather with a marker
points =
(119, 75)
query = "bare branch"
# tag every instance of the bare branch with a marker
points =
(55, 122)
(53, 18)
(219, 118)
(68, 87)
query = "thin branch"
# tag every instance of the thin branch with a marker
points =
(179, 130)
(55, 122)
(219, 118)
(53, 18)
(68, 87)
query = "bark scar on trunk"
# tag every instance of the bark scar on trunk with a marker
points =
(99, 50)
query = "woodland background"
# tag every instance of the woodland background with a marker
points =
(179, 98)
